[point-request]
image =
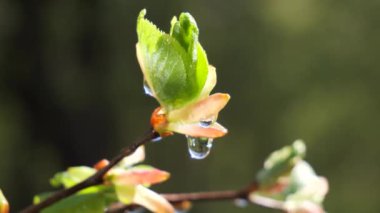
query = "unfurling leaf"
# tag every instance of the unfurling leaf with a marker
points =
(124, 183)
(175, 65)
(280, 163)
(177, 73)
(127, 182)
(306, 190)
(289, 183)
(130, 182)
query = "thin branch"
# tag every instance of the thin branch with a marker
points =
(211, 196)
(95, 179)
(178, 198)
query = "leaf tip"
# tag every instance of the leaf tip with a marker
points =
(4, 205)
(142, 13)
(299, 147)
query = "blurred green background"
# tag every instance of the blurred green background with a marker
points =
(71, 92)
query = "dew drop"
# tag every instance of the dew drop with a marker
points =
(147, 89)
(205, 123)
(240, 202)
(156, 139)
(199, 148)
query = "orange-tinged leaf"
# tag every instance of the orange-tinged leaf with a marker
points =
(159, 122)
(201, 110)
(151, 200)
(215, 130)
(137, 176)
(4, 205)
(4, 208)
(183, 206)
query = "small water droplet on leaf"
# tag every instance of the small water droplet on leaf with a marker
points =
(156, 139)
(147, 89)
(205, 123)
(199, 148)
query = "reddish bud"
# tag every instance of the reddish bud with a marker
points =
(159, 122)
(101, 164)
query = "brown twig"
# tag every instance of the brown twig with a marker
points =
(211, 196)
(178, 198)
(95, 179)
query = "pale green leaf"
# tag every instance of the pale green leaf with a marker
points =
(175, 66)
(72, 176)
(305, 184)
(280, 163)
(125, 193)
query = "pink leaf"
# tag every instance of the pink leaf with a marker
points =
(152, 201)
(201, 110)
(215, 130)
(137, 176)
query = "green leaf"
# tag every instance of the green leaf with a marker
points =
(300, 176)
(202, 67)
(72, 176)
(40, 197)
(175, 66)
(79, 203)
(280, 163)
(125, 193)
(186, 32)
(107, 191)
(147, 33)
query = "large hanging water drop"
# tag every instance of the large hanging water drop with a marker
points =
(199, 148)
(147, 89)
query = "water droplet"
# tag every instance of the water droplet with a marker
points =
(240, 202)
(156, 139)
(205, 123)
(199, 148)
(147, 89)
